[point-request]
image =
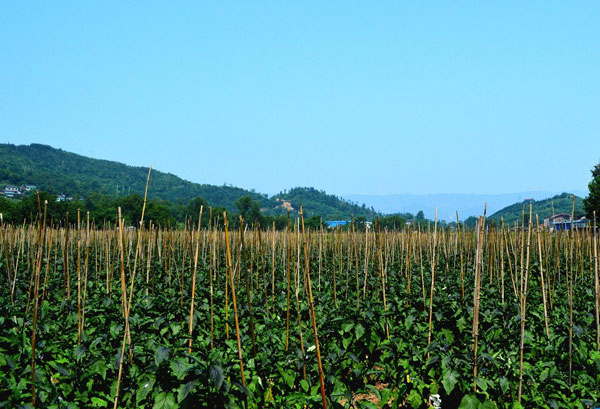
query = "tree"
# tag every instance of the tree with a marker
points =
(592, 202)
(192, 210)
(249, 209)
(160, 213)
(131, 209)
(393, 222)
(7, 208)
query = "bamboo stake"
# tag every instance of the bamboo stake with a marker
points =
(570, 293)
(312, 312)
(477, 291)
(41, 238)
(432, 281)
(537, 221)
(248, 274)
(235, 311)
(597, 284)
(287, 273)
(382, 272)
(197, 248)
(523, 306)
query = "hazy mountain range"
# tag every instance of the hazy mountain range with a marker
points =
(449, 203)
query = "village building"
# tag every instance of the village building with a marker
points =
(563, 222)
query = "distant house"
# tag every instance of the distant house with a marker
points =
(28, 188)
(563, 222)
(557, 218)
(11, 191)
(332, 224)
(64, 198)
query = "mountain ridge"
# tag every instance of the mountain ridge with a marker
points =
(61, 172)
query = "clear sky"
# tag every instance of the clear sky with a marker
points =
(346, 96)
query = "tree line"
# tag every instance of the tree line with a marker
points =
(103, 209)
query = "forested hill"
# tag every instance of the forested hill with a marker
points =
(316, 202)
(562, 203)
(59, 172)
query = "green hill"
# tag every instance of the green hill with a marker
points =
(562, 203)
(60, 172)
(316, 202)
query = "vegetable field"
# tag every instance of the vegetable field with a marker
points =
(102, 316)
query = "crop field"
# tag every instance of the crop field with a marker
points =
(227, 315)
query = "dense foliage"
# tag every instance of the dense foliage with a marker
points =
(70, 286)
(592, 201)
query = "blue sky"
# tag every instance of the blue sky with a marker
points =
(349, 97)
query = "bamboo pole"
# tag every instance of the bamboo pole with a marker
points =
(432, 281)
(233, 298)
(524, 305)
(542, 276)
(312, 311)
(40, 252)
(197, 248)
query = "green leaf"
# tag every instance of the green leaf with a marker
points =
(288, 377)
(185, 390)
(504, 385)
(347, 327)
(79, 351)
(408, 321)
(544, 374)
(346, 342)
(481, 383)
(415, 399)
(216, 376)
(98, 367)
(449, 380)
(359, 331)
(165, 400)
(180, 367)
(161, 354)
(144, 388)
(175, 328)
(99, 403)
(488, 404)
(469, 402)
(304, 385)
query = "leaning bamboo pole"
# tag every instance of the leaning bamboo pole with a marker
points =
(233, 298)
(127, 301)
(248, 273)
(523, 306)
(312, 311)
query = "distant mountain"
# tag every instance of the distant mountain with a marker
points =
(60, 172)
(466, 204)
(562, 203)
